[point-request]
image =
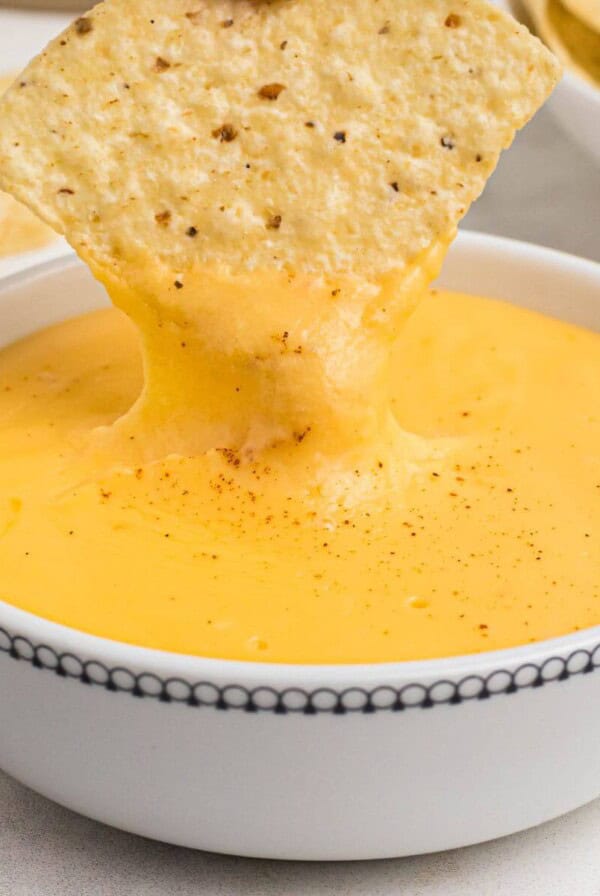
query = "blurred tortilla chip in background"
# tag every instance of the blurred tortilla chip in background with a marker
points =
(20, 229)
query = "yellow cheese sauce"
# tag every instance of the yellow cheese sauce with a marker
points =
(470, 523)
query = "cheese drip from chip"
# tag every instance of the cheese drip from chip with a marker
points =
(251, 362)
(266, 188)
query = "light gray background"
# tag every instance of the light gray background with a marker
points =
(544, 191)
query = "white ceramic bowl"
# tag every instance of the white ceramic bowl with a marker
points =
(306, 762)
(575, 103)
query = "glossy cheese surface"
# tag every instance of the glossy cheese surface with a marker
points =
(473, 524)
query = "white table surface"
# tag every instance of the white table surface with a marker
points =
(545, 191)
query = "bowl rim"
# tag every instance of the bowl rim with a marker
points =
(121, 666)
(21, 262)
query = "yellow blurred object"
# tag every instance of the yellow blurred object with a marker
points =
(588, 11)
(20, 230)
(574, 42)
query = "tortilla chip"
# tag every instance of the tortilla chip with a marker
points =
(289, 135)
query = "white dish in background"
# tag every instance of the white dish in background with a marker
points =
(306, 762)
(576, 106)
(25, 32)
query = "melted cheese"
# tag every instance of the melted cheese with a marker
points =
(467, 519)
(247, 479)
(252, 362)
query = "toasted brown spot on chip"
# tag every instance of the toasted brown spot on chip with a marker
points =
(226, 133)
(178, 284)
(161, 65)
(271, 91)
(447, 142)
(385, 29)
(83, 25)
(191, 231)
(283, 44)
(230, 456)
(340, 136)
(227, 23)
(453, 20)
(194, 16)
(66, 190)
(274, 222)
(300, 436)
(394, 186)
(309, 124)
(163, 218)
